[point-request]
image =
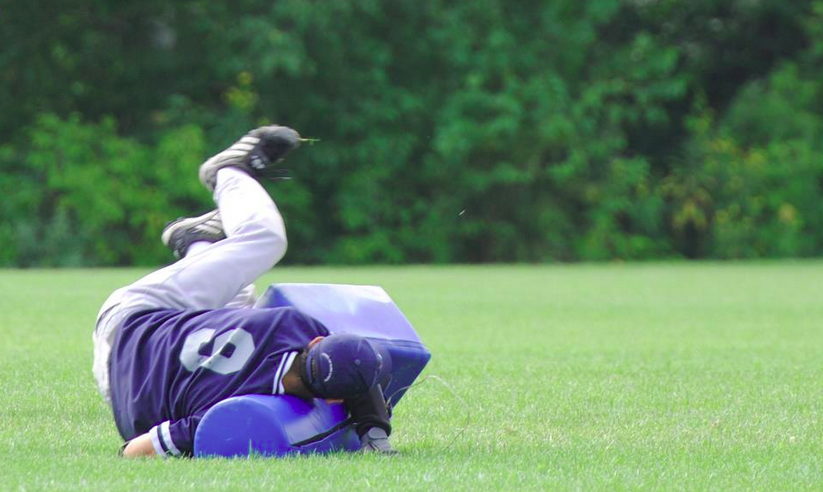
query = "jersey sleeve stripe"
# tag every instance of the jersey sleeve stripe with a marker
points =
(286, 368)
(282, 369)
(167, 440)
(156, 443)
(276, 386)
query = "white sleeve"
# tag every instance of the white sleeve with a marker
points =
(162, 442)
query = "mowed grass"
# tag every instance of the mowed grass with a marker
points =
(582, 377)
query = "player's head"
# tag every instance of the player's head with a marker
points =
(343, 366)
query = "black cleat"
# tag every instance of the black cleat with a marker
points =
(254, 153)
(181, 233)
(376, 441)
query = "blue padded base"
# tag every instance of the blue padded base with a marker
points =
(270, 425)
(364, 310)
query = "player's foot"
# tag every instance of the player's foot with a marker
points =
(185, 231)
(253, 153)
(376, 441)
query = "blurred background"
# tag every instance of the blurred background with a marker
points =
(481, 131)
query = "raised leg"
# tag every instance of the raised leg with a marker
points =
(211, 278)
(255, 241)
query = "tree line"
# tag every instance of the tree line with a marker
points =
(484, 131)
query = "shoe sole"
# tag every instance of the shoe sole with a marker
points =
(279, 141)
(186, 223)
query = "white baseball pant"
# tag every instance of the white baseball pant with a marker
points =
(211, 276)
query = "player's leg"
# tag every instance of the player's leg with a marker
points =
(254, 230)
(256, 236)
(246, 298)
(210, 279)
(193, 235)
(256, 240)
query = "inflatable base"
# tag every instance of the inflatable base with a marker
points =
(281, 425)
(272, 426)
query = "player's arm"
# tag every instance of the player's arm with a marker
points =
(139, 446)
(166, 439)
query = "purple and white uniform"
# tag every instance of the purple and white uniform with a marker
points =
(179, 340)
(176, 342)
(168, 367)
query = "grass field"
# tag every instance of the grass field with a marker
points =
(649, 376)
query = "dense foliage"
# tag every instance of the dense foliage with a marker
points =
(449, 131)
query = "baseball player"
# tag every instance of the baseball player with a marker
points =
(173, 344)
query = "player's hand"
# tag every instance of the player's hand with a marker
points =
(139, 446)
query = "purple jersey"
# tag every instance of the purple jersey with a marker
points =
(168, 367)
